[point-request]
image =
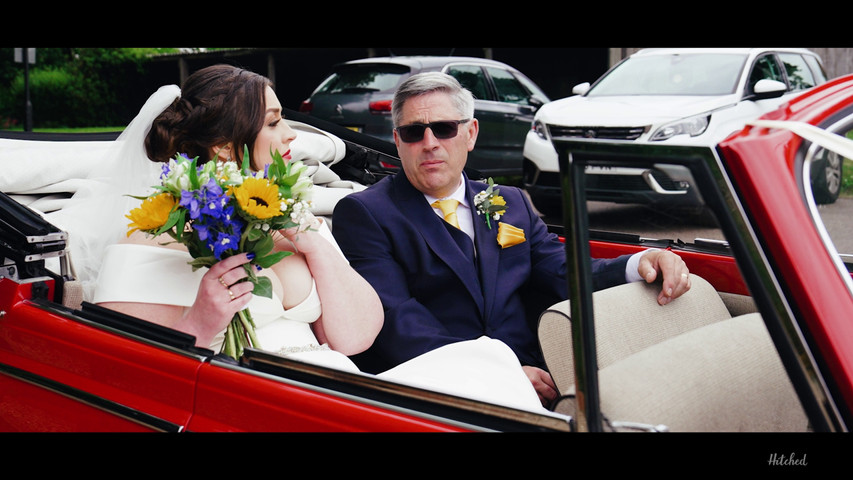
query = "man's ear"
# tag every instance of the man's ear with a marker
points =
(473, 130)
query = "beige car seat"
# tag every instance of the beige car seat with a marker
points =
(689, 365)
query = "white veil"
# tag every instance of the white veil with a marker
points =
(95, 216)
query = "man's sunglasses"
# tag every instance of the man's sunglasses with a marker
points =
(415, 132)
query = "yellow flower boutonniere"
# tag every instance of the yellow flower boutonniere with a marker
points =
(509, 235)
(490, 204)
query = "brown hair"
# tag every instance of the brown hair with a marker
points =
(218, 104)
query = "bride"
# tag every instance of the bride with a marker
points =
(321, 309)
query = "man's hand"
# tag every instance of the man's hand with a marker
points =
(676, 278)
(542, 383)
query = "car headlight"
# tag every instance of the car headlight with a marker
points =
(540, 129)
(686, 126)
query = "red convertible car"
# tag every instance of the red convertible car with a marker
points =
(762, 342)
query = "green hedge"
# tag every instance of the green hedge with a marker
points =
(71, 87)
(58, 99)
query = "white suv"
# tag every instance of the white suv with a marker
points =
(684, 96)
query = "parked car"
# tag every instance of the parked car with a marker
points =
(357, 94)
(674, 96)
(760, 343)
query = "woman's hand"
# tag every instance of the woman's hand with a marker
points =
(302, 239)
(352, 313)
(222, 293)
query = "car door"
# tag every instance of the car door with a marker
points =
(66, 372)
(770, 380)
(504, 110)
(514, 103)
(486, 154)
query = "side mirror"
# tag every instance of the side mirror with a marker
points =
(580, 88)
(768, 89)
(536, 102)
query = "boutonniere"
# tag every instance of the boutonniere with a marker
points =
(490, 204)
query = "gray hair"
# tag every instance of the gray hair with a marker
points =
(428, 82)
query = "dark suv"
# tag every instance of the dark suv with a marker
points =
(357, 95)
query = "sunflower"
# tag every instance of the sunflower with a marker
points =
(152, 214)
(258, 198)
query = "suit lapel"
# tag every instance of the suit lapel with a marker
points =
(488, 250)
(436, 235)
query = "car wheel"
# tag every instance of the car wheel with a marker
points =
(826, 177)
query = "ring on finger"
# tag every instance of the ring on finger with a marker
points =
(231, 294)
(222, 281)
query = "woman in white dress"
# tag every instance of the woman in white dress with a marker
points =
(321, 310)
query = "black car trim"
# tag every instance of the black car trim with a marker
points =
(136, 326)
(60, 136)
(368, 389)
(95, 401)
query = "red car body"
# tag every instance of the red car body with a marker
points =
(774, 197)
(89, 369)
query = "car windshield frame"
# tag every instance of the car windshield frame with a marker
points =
(673, 74)
(706, 166)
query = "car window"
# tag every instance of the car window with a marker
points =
(361, 78)
(765, 68)
(472, 78)
(816, 68)
(798, 72)
(831, 187)
(507, 88)
(677, 74)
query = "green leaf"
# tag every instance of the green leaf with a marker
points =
(170, 222)
(254, 234)
(271, 259)
(263, 287)
(192, 173)
(200, 262)
(247, 164)
(263, 246)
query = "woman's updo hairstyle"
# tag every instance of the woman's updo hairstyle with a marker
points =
(218, 104)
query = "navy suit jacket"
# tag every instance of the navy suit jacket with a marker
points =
(432, 293)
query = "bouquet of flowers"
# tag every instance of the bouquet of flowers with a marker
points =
(218, 210)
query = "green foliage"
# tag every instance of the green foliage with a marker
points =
(71, 87)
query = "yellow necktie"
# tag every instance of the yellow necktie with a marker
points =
(448, 208)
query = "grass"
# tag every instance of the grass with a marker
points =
(847, 178)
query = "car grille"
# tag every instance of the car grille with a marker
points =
(612, 133)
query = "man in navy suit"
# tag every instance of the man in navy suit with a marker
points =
(440, 283)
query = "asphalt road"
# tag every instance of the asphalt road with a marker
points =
(655, 223)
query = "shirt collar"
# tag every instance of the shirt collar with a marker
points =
(458, 194)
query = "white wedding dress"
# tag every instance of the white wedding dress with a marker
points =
(483, 369)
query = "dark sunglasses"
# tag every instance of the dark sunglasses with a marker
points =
(443, 130)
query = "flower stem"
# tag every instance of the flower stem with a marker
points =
(249, 326)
